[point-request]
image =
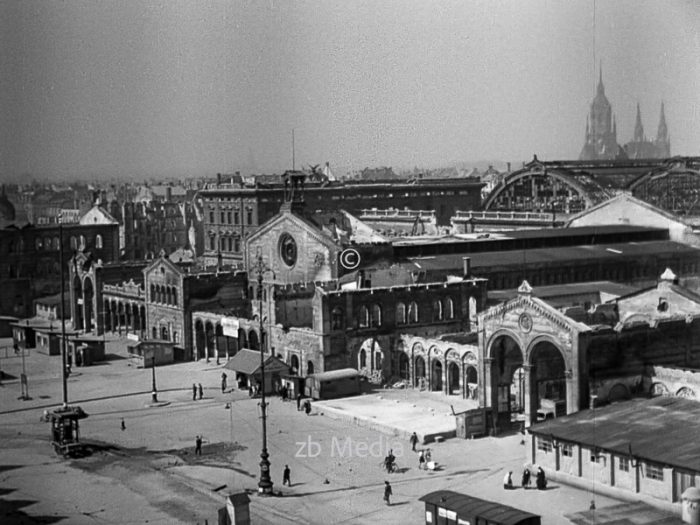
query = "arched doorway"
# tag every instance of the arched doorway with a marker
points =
(309, 368)
(507, 357)
(471, 382)
(253, 340)
(453, 378)
(404, 366)
(210, 342)
(362, 359)
(242, 339)
(419, 371)
(547, 376)
(295, 364)
(198, 339)
(436, 375)
(77, 299)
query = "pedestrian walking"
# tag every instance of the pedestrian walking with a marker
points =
(526, 479)
(123, 425)
(286, 476)
(414, 441)
(201, 391)
(421, 460)
(223, 382)
(194, 392)
(198, 445)
(307, 407)
(508, 480)
(541, 480)
(387, 492)
(298, 401)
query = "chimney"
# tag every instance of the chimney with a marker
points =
(508, 167)
(467, 264)
(168, 194)
(218, 179)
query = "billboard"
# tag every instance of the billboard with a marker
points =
(230, 326)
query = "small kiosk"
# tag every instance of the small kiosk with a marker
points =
(246, 364)
(65, 430)
(85, 350)
(332, 384)
(446, 507)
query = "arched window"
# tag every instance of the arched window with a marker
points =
(400, 313)
(56, 244)
(449, 308)
(364, 317)
(175, 296)
(309, 368)
(413, 312)
(153, 293)
(47, 243)
(363, 359)
(155, 333)
(376, 315)
(38, 243)
(98, 241)
(438, 313)
(337, 318)
(82, 242)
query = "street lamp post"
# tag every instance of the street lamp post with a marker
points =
(63, 314)
(265, 483)
(154, 391)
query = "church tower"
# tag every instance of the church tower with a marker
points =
(601, 131)
(638, 128)
(663, 141)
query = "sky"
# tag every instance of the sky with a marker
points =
(139, 89)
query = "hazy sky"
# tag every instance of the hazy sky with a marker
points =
(175, 88)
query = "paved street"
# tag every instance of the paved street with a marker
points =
(148, 473)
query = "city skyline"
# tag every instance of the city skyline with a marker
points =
(176, 89)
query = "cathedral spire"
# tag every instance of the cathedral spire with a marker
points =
(638, 128)
(662, 133)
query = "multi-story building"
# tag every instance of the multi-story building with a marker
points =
(234, 210)
(30, 266)
(148, 227)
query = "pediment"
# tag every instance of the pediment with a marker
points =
(526, 313)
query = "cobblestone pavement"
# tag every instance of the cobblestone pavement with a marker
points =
(148, 472)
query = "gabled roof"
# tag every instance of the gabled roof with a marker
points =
(471, 507)
(301, 222)
(627, 199)
(97, 215)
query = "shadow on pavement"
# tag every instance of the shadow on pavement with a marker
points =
(11, 513)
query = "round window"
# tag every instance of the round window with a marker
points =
(288, 249)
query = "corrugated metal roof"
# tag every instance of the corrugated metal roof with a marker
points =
(470, 506)
(662, 430)
(591, 254)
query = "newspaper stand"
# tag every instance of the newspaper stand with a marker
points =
(65, 433)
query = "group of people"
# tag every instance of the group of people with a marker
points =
(540, 481)
(197, 389)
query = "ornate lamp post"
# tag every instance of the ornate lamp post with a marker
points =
(265, 483)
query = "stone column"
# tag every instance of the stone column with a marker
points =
(571, 395)
(445, 376)
(216, 345)
(530, 401)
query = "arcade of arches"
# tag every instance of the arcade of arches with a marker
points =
(518, 379)
(437, 365)
(211, 343)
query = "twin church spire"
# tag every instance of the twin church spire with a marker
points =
(601, 133)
